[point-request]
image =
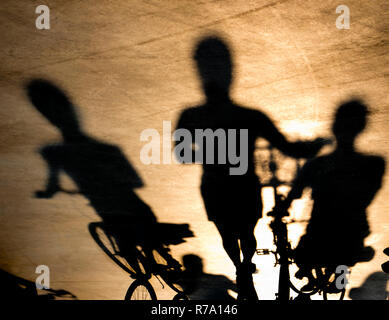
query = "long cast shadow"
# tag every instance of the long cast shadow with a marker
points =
(232, 200)
(102, 174)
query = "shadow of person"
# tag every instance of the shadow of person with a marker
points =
(101, 172)
(373, 288)
(343, 185)
(17, 288)
(198, 285)
(230, 189)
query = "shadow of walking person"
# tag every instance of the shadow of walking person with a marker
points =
(343, 185)
(230, 189)
(102, 174)
(373, 288)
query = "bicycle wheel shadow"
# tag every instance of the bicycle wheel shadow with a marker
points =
(373, 288)
(17, 288)
(101, 172)
(198, 285)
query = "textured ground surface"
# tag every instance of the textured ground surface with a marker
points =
(127, 66)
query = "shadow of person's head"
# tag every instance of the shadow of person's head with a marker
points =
(193, 264)
(214, 64)
(54, 105)
(350, 120)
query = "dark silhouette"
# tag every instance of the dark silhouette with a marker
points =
(343, 185)
(373, 288)
(17, 288)
(233, 202)
(198, 285)
(385, 265)
(102, 174)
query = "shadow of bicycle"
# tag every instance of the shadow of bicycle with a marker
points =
(143, 251)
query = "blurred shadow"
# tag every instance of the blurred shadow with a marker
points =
(102, 174)
(16, 288)
(385, 265)
(232, 202)
(343, 185)
(373, 288)
(198, 285)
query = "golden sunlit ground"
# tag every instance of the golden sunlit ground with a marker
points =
(127, 65)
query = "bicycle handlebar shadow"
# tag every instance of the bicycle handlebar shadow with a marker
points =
(101, 172)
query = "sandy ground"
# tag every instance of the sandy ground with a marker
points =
(127, 66)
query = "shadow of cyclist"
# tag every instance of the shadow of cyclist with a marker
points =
(101, 172)
(230, 188)
(343, 185)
